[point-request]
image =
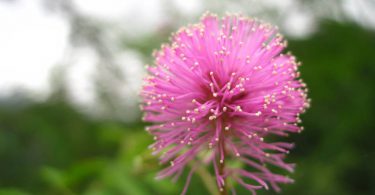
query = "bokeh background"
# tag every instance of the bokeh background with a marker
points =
(70, 71)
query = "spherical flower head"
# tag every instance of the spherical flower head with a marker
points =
(215, 95)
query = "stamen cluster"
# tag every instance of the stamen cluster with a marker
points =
(215, 94)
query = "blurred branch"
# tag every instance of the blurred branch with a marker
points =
(57, 80)
(109, 79)
(207, 180)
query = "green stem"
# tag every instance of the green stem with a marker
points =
(223, 191)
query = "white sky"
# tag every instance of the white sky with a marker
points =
(32, 40)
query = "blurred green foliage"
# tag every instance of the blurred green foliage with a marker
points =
(51, 148)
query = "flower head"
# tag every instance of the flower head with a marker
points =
(216, 93)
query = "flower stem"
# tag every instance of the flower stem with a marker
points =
(223, 190)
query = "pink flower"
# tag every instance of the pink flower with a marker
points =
(217, 92)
